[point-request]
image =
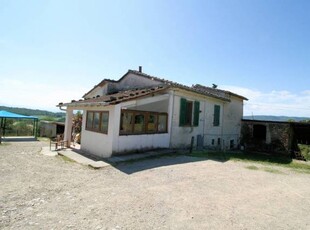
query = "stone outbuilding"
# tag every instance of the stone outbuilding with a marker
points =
(274, 136)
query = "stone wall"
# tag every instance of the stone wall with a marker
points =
(278, 137)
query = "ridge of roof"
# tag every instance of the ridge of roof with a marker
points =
(215, 90)
(185, 87)
(197, 88)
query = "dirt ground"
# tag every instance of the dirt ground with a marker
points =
(42, 192)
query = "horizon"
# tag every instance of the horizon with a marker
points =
(263, 115)
(55, 51)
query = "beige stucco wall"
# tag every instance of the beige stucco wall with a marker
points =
(181, 136)
(98, 143)
(99, 90)
(229, 128)
(233, 113)
(137, 81)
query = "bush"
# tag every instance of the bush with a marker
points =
(305, 151)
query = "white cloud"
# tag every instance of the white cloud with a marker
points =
(37, 95)
(276, 103)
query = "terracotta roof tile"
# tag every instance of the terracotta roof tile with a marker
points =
(135, 93)
(117, 98)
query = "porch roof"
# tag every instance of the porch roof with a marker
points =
(116, 98)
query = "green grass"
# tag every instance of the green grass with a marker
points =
(43, 139)
(272, 170)
(252, 167)
(266, 169)
(305, 151)
(4, 144)
(263, 159)
(66, 159)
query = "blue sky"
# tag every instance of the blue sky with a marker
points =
(55, 51)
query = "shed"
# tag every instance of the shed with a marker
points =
(275, 135)
(51, 128)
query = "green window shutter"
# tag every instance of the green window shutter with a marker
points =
(182, 112)
(196, 113)
(216, 119)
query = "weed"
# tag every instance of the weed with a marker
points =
(263, 159)
(272, 170)
(305, 151)
(252, 167)
(66, 159)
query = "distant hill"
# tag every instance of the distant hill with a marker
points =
(275, 118)
(35, 112)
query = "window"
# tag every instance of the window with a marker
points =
(162, 123)
(152, 122)
(139, 123)
(189, 112)
(143, 122)
(216, 118)
(126, 122)
(104, 123)
(97, 121)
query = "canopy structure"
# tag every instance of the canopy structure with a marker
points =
(4, 115)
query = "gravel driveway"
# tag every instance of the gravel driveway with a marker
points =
(42, 192)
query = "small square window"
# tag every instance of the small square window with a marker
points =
(97, 121)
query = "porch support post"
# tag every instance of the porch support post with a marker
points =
(68, 126)
(170, 116)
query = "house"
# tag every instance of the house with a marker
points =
(140, 112)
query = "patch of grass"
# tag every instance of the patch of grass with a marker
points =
(132, 161)
(66, 159)
(300, 167)
(305, 151)
(4, 144)
(263, 159)
(46, 139)
(252, 167)
(219, 156)
(272, 170)
(266, 169)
